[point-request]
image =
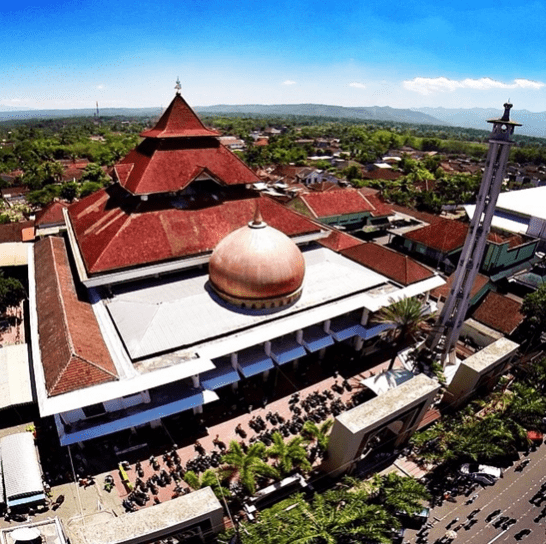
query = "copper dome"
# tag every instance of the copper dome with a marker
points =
(257, 266)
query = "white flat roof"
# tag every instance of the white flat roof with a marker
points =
(15, 384)
(165, 315)
(517, 225)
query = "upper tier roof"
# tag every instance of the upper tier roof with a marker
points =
(179, 121)
(175, 152)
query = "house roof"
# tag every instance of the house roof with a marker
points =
(443, 291)
(51, 215)
(445, 235)
(179, 121)
(117, 231)
(399, 268)
(170, 165)
(73, 352)
(341, 202)
(337, 241)
(17, 232)
(499, 312)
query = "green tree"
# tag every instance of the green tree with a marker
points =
(12, 292)
(406, 317)
(400, 494)
(247, 466)
(318, 434)
(209, 478)
(534, 310)
(288, 455)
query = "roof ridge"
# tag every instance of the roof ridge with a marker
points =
(106, 246)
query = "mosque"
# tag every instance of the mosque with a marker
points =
(179, 281)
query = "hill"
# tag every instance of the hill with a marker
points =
(534, 124)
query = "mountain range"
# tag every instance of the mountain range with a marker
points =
(534, 124)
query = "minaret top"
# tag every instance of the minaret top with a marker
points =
(178, 86)
(505, 119)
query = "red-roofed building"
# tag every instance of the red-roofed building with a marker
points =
(50, 219)
(399, 268)
(168, 290)
(500, 313)
(441, 242)
(345, 207)
(73, 353)
(338, 241)
(480, 288)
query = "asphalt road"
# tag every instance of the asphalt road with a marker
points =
(512, 494)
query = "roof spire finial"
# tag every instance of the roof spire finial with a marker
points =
(258, 221)
(178, 86)
(506, 116)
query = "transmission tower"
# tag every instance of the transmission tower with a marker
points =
(445, 334)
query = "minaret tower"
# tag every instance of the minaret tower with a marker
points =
(453, 313)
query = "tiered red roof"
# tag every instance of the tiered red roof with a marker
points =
(175, 152)
(116, 231)
(51, 215)
(499, 312)
(399, 268)
(179, 121)
(346, 201)
(72, 349)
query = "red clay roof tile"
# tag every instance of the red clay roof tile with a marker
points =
(179, 120)
(331, 203)
(115, 233)
(399, 268)
(499, 312)
(73, 352)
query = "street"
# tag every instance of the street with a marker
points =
(512, 495)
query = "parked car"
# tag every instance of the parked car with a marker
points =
(484, 474)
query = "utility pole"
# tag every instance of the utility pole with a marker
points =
(445, 334)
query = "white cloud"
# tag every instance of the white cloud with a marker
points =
(357, 85)
(101, 86)
(288, 82)
(427, 85)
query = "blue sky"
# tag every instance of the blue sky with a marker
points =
(70, 54)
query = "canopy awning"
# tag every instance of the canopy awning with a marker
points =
(137, 415)
(315, 338)
(387, 380)
(22, 473)
(286, 349)
(345, 327)
(254, 361)
(223, 374)
(374, 330)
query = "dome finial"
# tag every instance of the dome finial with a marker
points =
(178, 86)
(258, 221)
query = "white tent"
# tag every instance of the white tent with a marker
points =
(22, 472)
(387, 380)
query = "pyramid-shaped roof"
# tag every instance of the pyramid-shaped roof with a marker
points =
(179, 121)
(175, 152)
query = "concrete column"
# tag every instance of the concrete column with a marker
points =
(359, 343)
(365, 317)
(267, 348)
(321, 354)
(265, 375)
(195, 381)
(326, 326)
(299, 336)
(234, 360)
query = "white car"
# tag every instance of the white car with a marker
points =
(483, 474)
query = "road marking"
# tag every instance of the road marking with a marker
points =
(499, 535)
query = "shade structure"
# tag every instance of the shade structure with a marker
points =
(387, 380)
(316, 338)
(374, 330)
(286, 349)
(140, 414)
(223, 374)
(21, 468)
(254, 361)
(345, 327)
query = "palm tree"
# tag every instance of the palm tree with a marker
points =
(320, 434)
(407, 316)
(401, 494)
(246, 466)
(209, 478)
(288, 455)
